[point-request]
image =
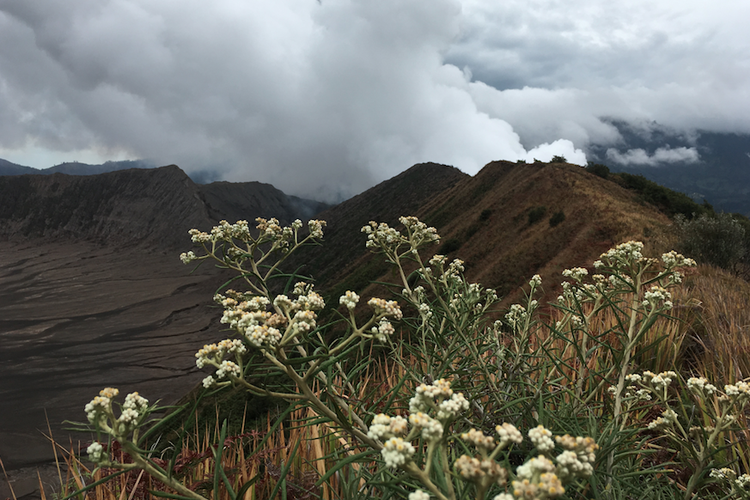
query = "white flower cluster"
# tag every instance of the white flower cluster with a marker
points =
(661, 381)
(248, 314)
(228, 369)
(382, 235)
(537, 479)
(541, 438)
(438, 260)
(673, 259)
(269, 231)
(262, 335)
(99, 411)
(384, 426)
(480, 470)
(578, 458)
(577, 273)
(187, 257)
(508, 434)
(478, 439)
(385, 308)
(383, 330)
(739, 392)
(516, 316)
(396, 451)
(95, 452)
(418, 231)
(438, 396)
(214, 353)
(316, 228)
(425, 311)
(133, 409)
(657, 295)
(578, 293)
(700, 386)
(349, 299)
(740, 486)
(432, 430)
(668, 417)
(419, 495)
(535, 281)
(622, 256)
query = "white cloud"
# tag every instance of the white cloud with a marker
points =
(324, 99)
(660, 157)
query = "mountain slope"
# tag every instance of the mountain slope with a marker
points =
(8, 168)
(155, 207)
(343, 242)
(233, 201)
(123, 207)
(498, 222)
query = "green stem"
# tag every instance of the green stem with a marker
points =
(144, 464)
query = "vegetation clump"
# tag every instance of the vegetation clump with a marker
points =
(557, 218)
(536, 214)
(478, 404)
(718, 239)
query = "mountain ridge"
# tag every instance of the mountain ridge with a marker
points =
(153, 207)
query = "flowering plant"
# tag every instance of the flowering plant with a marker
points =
(470, 383)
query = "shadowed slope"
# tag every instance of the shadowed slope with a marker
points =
(343, 243)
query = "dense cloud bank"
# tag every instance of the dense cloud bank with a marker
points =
(325, 98)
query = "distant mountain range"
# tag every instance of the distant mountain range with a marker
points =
(718, 173)
(721, 174)
(155, 206)
(718, 170)
(73, 168)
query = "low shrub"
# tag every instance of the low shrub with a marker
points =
(556, 218)
(536, 214)
(477, 404)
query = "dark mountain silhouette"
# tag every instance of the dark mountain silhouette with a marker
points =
(343, 242)
(73, 168)
(138, 206)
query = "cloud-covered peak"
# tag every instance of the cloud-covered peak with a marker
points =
(324, 99)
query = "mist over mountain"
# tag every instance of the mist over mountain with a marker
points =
(706, 165)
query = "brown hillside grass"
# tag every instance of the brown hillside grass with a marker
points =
(486, 221)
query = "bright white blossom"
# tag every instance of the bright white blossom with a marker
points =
(478, 439)
(541, 438)
(508, 434)
(396, 452)
(349, 299)
(431, 428)
(384, 426)
(382, 307)
(95, 452)
(419, 495)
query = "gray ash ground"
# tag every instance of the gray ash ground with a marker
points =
(77, 317)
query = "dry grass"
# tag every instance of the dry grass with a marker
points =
(707, 336)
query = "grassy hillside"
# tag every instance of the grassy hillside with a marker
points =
(509, 222)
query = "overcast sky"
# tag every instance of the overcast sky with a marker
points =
(326, 98)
